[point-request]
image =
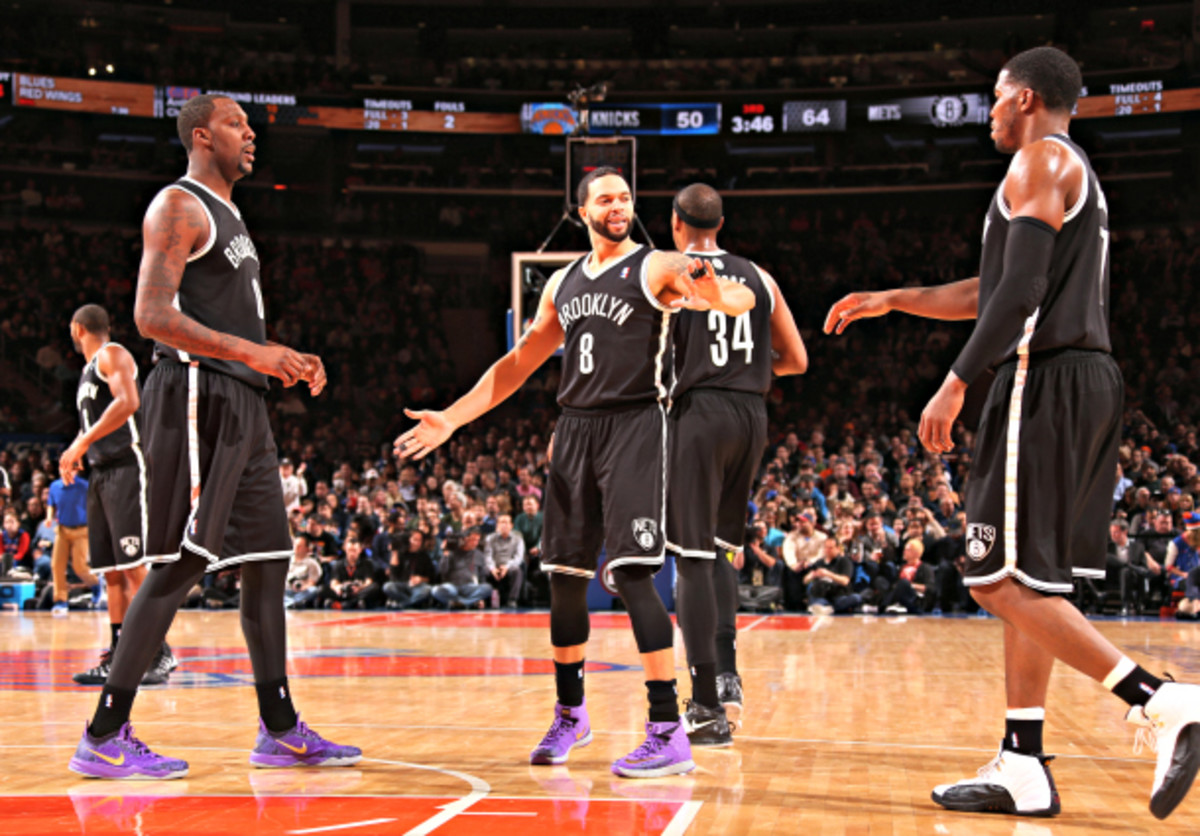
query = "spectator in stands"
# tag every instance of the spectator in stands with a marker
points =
(294, 485)
(461, 568)
(303, 578)
(504, 559)
(829, 578)
(17, 551)
(914, 591)
(1129, 569)
(758, 573)
(1183, 555)
(802, 548)
(410, 572)
(354, 581)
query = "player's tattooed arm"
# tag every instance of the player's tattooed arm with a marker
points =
(685, 282)
(174, 227)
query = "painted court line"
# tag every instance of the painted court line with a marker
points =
(346, 826)
(683, 818)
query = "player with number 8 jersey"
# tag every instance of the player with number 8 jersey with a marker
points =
(612, 309)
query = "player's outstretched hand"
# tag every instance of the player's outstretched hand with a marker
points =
(705, 290)
(314, 373)
(278, 361)
(432, 430)
(854, 306)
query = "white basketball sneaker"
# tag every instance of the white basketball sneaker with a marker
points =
(1008, 783)
(1170, 723)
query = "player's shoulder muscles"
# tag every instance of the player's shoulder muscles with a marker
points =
(175, 223)
(116, 359)
(1041, 179)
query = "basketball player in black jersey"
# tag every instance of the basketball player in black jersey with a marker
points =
(215, 495)
(607, 478)
(110, 435)
(1041, 484)
(718, 430)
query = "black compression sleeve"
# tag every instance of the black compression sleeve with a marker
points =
(1022, 288)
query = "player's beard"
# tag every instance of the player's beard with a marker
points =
(601, 229)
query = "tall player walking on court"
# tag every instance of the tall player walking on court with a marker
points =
(1041, 485)
(215, 495)
(607, 477)
(718, 430)
(110, 435)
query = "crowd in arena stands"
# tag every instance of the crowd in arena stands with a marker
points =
(650, 51)
(847, 513)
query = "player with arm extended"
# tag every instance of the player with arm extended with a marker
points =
(215, 497)
(613, 308)
(718, 431)
(1046, 449)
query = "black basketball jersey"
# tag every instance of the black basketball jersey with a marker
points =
(220, 287)
(93, 397)
(1074, 313)
(618, 335)
(717, 351)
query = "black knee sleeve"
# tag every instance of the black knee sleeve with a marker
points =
(263, 619)
(150, 616)
(696, 608)
(569, 623)
(651, 624)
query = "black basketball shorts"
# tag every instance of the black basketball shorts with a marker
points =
(1039, 497)
(214, 470)
(117, 514)
(717, 439)
(606, 487)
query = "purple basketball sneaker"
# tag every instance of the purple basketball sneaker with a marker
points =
(300, 746)
(570, 728)
(666, 751)
(123, 756)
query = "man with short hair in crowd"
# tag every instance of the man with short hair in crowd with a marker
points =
(410, 571)
(758, 572)
(460, 569)
(504, 559)
(1129, 568)
(801, 549)
(294, 484)
(353, 583)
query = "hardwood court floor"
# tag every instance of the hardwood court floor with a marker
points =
(849, 724)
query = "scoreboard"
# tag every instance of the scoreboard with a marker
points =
(1136, 98)
(764, 116)
(84, 96)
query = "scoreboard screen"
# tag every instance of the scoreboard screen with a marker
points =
(1137, 98)
(697, 119)
(371, 114)
(85, 96)
(939, 111)
(585, 154)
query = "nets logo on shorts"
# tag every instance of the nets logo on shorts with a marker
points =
(645, 532)
(131, 545)
(980, 539)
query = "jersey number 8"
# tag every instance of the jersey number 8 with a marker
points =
(742, 341)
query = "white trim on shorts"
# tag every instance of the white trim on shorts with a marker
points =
(631, 560)
(568, 570)
(725, 544)
(698, 553)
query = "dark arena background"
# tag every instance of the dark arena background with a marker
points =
(412, 192)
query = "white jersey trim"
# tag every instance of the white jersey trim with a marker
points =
(212, 223)
(698, 553)
(768, 283)
(644, 280)
(587, 258)
(1074, 211)
(96, 361)
(228, 203)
